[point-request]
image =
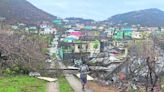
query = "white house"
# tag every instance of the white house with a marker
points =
(137, 35)
(47, 31)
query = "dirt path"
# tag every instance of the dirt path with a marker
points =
(98, 88)
(74, 82)
(52, 87)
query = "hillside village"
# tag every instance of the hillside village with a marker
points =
(46, 54)
(108, 50)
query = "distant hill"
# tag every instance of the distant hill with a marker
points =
(74, 20)
(22, 11)
(147, 17)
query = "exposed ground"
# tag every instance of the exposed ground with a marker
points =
(99, 88)
(52, 87)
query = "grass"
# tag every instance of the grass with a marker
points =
(64, 85)
(163, 84)
(22, 84)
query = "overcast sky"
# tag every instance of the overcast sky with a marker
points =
(94, 9)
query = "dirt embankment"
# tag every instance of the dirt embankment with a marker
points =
(99, 88)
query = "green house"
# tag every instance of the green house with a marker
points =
(127, 33)
(88, 27)
(118, 35)
(57, 21)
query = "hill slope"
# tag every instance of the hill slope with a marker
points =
(147, 17)
(22, 11)
(74, 20)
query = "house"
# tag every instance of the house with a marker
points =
(47, 31)
(162, 29)
(57, 21)
(75, 33)
(14, 27)
(109, 32)
(118, 35)
(137, 35)
(121, 44)
(33, 29)
(44, 26)
(124, 33)
(127, 33)
(88, 28)
(70, 39)
(71, 50)
(94, 47)
(79, 48)
(90, 33)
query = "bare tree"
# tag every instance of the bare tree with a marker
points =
(145, 50)
(24, 52)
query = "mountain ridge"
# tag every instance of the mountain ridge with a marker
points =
(74, 20)
(146, 17)
(23, 11)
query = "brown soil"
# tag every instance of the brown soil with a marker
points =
(52, 87)
(99, 88)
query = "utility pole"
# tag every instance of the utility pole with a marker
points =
(1, 61)
(2, 19)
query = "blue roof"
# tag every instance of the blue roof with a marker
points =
(70, 39)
